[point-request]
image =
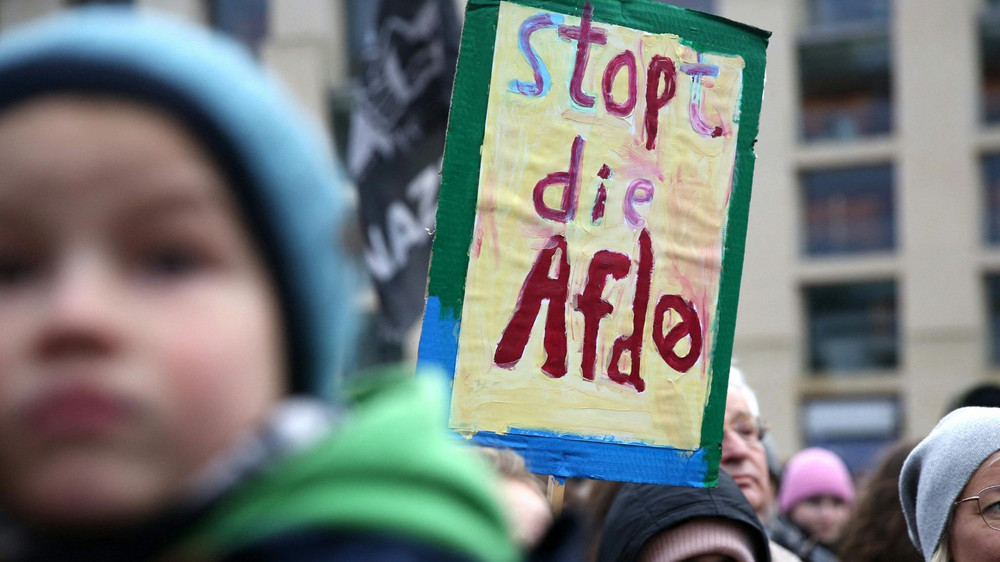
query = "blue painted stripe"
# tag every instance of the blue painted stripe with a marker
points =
(568, 456)
(438, 339)
(564, 455)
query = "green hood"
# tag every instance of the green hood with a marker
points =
(388, 468)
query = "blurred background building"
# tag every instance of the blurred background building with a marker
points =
(871, 284)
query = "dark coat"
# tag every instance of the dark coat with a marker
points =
(792, 537)
(640, 511)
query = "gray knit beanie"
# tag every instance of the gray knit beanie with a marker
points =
(937, 470)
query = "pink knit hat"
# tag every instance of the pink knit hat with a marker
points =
(814, 472)
(699, 536)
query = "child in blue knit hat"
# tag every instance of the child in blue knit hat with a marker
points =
(172, 299)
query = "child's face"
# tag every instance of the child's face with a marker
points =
(139, 329)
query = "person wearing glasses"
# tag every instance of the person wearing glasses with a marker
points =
(744, 458)
(743, 453)
(950, 488)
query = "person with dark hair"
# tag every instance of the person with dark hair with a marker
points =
(174, 305)
(649, 522)
(595, 504)
(986, 395)
(877, 531)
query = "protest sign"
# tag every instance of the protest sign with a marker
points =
(590, 233)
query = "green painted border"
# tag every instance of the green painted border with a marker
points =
(456, 212)
(466, 129)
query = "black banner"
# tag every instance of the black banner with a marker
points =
(405, 73)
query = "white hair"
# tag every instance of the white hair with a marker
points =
(738, 383)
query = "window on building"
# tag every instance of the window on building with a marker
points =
(707, 6)
(844, 70)
(993, 303)
(837, 12)
(849, 210)
(852, 327)
(244, 20)
(989, 59)
(856, 429)
(991, 180)
(86, 2)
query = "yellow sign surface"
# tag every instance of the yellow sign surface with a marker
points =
(607, 164)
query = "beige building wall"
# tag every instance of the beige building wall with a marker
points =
(16, 12)
(939, 201)
(768, 329)
(305, 46)
(939, 262)
(192, 10)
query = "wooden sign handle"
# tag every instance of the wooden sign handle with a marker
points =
(555, 492)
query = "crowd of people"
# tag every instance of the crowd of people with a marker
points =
(938, 500)
(170, 286)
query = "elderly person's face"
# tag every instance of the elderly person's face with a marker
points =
(970, 538)
(743, 455)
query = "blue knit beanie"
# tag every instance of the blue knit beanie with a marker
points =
(276, 162)
(940, 466)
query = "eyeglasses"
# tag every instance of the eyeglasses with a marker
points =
(989, 505)
(751, 430)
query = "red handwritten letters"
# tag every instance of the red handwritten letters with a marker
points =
(674, 319)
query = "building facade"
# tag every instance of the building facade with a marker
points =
(869, 294)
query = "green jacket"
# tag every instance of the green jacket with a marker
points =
(389, 468)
